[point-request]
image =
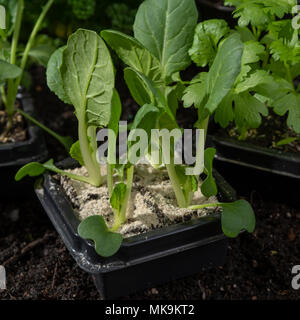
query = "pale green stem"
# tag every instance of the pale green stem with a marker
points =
(65, 141)
(90, 163)
(123, 211)
(206, 205)
(10, 101)
(181, 201)
(13, 88)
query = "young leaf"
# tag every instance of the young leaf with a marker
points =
(8, 71)
(206, 39)
(237, 216)
(286, 141)
(118, 196)
(195, 93)
(32, 169)
(224, 71)
(139, 90)
(289, 103)
(75, 153)
(88, 76)
(165, 28)
(248, 110)
(208, 186)
(94, 228)
(188, 183)
(54, 78)
(133, 53)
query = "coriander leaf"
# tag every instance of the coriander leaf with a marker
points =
(248, 110)
(206, 39)
(289, 103)
(94, 228)
(195, 93)
(285, 52)
(256, 78)
(88, 76)
(224, 113)
(236, 217)
(165, 28)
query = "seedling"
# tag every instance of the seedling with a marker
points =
(270, 63)
(12, 68)
(84, 76)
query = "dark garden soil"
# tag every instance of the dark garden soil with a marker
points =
(18, 132)
(38, 266)
(272, 130)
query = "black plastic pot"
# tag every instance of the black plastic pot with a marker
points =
(215, 9)
(145, 260)
(15, 155)
(273, 173)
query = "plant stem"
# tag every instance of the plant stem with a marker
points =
(10, 101)
(181, 201)
(289, 73)
(14, 84)
(206, 205)
(65, 141)
(89, 159)
(68, 174)
(123, 210)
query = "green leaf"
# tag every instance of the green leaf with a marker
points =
(206, 39)
(195, 93)
(253, 52)
(8, 71)
(32, 169)
(224, 71)
(88, 76)
(133, 54)
(165, 28)
(259, 77)
(54, 78)
(42, 53)
(248, 110)
(188, 183)
(146, 119)
(236, 217)
(115, 113)
(118, 196)
(286, 141)
(224, 113)
(285, 52)
(75, 153)
(106, 243)
(139, 90)
(289, 103)
(208, 186)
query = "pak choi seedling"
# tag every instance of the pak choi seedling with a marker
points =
(82, 74)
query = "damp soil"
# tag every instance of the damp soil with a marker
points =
(17, 133)
(38, 266)
(272, 130)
